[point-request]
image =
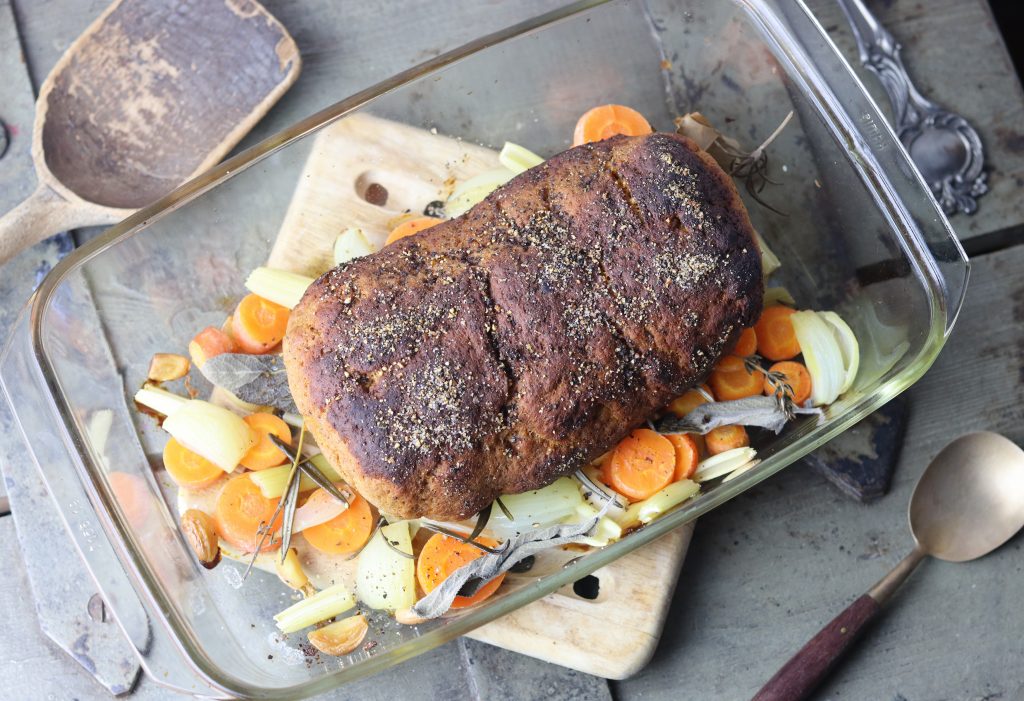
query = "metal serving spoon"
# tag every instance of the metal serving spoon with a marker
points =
(968, 502)
(944, 146)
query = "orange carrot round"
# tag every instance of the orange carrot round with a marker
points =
(410, 227)
(796, 376)
(607, 121)
(718, 440)
(209, 343)
(643, 463)
(189, 469)
(688, 401)
(747, 343)
(442, 555)
(687, 455)
(240, 513)
(732, 380)
(346, 532)
(264, 453)
(776, 339)
(133, 495)
(258, 324)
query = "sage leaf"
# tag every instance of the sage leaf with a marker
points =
(257, 379)
(765, 412)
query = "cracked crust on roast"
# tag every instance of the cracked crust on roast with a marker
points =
(496, 352)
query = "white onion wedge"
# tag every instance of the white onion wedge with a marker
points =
(537, 509)
(321, 507)
(822, 356)
(211, 431)
(475, 190)
(384, 579)
(160, 400)
(848, 347)
(723, 463)
(351, 244)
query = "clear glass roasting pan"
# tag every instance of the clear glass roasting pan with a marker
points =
(861, 234)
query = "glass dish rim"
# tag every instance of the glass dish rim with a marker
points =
(148, 588)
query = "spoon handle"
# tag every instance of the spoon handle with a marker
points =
(808, 667)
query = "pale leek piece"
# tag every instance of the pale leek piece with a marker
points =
(723, 463)
(518, 159)
(475, 190)
(213, 432)
(848, 346)
(279, 286)
(822, 356)
(384, 579)
(351, 244)
(272, 481)
(537, 509)
(658, 503)
(323, 605)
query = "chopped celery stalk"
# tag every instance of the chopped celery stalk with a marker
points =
(320, 462)
(740, 470)
(273, 480)
(769, 261)
(723, 463)
(778, 295)
(211, 431)
(822, 356)
(517, 159)
(160, 400)
(384, 579)
(542, 507)
(658, 503)
(352, 243)
(328, 603)
(475, 190)
(279, 286)
(848, 347)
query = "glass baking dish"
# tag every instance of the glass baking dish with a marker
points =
(861, 235)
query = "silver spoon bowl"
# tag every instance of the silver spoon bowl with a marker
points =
(968, 502)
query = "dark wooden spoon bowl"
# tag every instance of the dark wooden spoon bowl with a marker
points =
(154, 92)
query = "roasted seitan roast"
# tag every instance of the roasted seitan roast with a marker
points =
(498, 351)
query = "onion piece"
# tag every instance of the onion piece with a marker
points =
(384, 579)
(518, 159)
(350, 244)
(723, 463)
(848, 347)
(537, 509)
(160, 400)
(211, 431)
(475, 190)
(822, 356)
(316, 510)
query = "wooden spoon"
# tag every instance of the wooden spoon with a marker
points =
(154, 92)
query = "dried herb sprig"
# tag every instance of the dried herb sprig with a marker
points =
(311, 470)
(461, 538)
(504, 509)
(782, 391)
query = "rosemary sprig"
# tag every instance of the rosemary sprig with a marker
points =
(388, 542)
(593, 486)
(311, 470)
(458, 536)
(291, 496)
(376, 527)
(781, 389)
(504, 509)
(481, 521)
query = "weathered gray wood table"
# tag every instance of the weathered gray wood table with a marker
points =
(765, 570)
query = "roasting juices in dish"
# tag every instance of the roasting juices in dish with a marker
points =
(564, 352)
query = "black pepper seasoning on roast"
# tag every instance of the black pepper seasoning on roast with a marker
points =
(500, 350)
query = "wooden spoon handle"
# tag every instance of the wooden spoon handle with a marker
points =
(43, 214)
(806, 669)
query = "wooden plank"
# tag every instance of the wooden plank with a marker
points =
(766, 570)
(956, 56)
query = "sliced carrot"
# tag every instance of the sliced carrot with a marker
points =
(442, 555)
(410, 227)
(264, 453)
(718, 440)
(731, 379)
(188, 469)
(240, 513)
(796, 376)
(747, 344)
(643, 463)
(208, 343)
(258, 324)
(607, 121)
(133, 495)
(687, 455)
(688, 401)
(776, 339)
(346, 532)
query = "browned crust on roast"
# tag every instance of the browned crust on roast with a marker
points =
(495, 352)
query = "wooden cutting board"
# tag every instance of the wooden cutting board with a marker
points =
(612, 635)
